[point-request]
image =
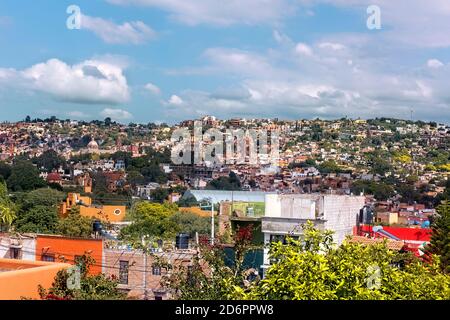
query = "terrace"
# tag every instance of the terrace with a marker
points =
(20, 279)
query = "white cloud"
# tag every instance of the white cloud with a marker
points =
(221, 13)
(135, 32)
(153, 88)
(116, 114)
(412, 22)
(175, 100)
(304, 49)
(332, 83)
(434, 63)
(90, 82)
(331, 45)
(281, 38)
(237, 62)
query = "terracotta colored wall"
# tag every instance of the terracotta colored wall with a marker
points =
(25, 277)
(106, 213)
(65, 249)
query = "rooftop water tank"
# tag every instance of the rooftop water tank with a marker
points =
(182, 241)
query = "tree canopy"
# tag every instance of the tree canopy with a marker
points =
(440, 238)
(150, 220)
(75, 225)
(313, 269)
(231, 182)
(24, 177)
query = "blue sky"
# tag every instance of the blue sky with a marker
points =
(168, 60)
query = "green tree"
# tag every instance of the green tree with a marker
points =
(150, 220)
(190, 201)
(159, 194)
(75, 225)
(38, 219)
(135, 177)
(313, 269)
(7, 208)
(41, 197)
(153, 173)
(191, 223)
(49, 160)
(5, 170)
(381, 190)
(209, 277)
(440, 238)
(24, 177)
(329, 166)
(231, 182)
(92, 287)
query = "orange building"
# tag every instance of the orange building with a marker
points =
(21, 279)
(110, 213)
(62, 249)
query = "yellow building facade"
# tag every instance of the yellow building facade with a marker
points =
(106, 213)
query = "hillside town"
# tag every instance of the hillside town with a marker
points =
(109, 193)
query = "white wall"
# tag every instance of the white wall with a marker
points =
(272, 205)
(340, 213)
(28, 248)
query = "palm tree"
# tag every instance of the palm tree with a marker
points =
(7, 215)
(7, 208)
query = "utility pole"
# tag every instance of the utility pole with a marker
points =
(145, 275)
(212, 222)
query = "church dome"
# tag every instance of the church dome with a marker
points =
(92, 145)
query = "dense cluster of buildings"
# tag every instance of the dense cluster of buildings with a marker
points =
(319, 163)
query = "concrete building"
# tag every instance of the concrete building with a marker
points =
(284, 215)
(22, 247)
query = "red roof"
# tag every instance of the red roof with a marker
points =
(54, 176)
(416, 234)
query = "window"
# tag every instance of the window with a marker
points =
(123, 272)
(156, 270)
(48, 257)
(14, 253)
(282, 238)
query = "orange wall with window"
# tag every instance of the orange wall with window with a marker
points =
(65, 249)
(105, 213)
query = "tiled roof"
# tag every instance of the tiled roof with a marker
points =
(391, 244)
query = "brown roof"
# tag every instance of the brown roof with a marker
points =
(53, 176)
(391, 244)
